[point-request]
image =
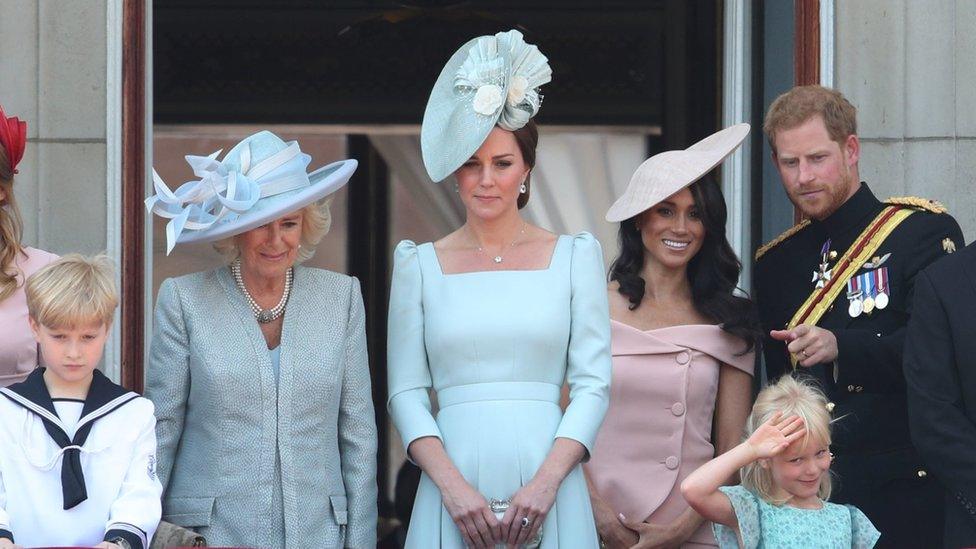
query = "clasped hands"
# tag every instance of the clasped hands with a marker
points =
(481, 529)
(810, 345)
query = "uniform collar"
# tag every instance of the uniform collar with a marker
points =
(851, 214)
(101, 392)
(104, 397)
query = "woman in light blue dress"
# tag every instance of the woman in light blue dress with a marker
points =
(495, 317)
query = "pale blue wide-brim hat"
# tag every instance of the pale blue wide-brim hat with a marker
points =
(259, 180)
(489, 81)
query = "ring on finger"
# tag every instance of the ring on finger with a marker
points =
(804, 353)
(526, 521)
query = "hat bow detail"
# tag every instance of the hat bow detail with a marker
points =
(225, 189)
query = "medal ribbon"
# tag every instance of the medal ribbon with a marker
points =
(853, 259)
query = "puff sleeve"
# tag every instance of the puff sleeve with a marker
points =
(746, 507)
(863, 534)
(408, 371)
(588, 357)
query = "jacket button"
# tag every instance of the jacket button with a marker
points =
(671, 462)
(683, 357)
(858, 389)
(830, 406)
(850, 388)
(921, 473)
(677, 408)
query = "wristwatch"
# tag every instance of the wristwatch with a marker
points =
(121, 542)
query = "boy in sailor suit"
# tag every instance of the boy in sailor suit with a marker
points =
(78, 465)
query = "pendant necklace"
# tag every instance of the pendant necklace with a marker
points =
(498, 258)
(263, 315)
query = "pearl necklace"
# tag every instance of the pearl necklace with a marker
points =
(263, 315)
(498, 258)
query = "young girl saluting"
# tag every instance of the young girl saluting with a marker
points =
(784, 464)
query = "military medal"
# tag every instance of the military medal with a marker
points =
(822, 275)
(881, 300)
(854, 294)
(867, 281)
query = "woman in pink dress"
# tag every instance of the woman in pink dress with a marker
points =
(683, 349)
(18, 350)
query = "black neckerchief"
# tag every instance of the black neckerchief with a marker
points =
(103, 398)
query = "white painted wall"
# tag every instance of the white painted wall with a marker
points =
(908, 67)
(59, 71)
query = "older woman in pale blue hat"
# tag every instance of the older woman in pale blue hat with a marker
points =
(495, 317)
(258, 369)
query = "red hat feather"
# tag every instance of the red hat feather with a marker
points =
(13, 137)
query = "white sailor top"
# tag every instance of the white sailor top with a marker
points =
(64, 484)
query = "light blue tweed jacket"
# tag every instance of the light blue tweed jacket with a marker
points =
(219, 409)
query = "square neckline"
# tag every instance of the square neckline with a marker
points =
(552, 261)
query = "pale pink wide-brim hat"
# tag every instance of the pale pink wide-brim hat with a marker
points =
(666, 173)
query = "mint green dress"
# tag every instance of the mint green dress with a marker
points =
(496, 347)
(765, 526)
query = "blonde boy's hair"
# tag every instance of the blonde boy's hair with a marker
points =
(790, 397)
(73, 291)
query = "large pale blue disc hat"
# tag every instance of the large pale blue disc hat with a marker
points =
(668, 172)
(489, 81)
(259, 180)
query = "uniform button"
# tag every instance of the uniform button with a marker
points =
(830, 406)
(921, 473)
(677, 408)
(683, 357)
(671, 462)
(850, 388)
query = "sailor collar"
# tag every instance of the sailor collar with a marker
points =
(104, 397)
(852, 215)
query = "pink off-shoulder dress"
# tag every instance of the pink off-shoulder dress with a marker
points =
(18, 350)
(659, 425)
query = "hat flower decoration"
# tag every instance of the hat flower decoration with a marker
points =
(259, 180)
(13, 138)
(491, 80)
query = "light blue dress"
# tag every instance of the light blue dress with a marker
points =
(496, 347)
(764, 525)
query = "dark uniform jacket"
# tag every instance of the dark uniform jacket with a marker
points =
(876, 468)
(940, 369)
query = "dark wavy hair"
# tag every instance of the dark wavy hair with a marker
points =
(713, 272)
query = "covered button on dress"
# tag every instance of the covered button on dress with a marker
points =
(659, 425)
(496, 347)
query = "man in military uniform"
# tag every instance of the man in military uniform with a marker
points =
(835, 295)
(940, 371)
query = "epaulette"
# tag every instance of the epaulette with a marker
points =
(781, 238)
(916, 202)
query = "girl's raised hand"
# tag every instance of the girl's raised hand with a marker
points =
(773, 436)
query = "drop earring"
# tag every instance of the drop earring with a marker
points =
(456, 188)
(523, 189)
